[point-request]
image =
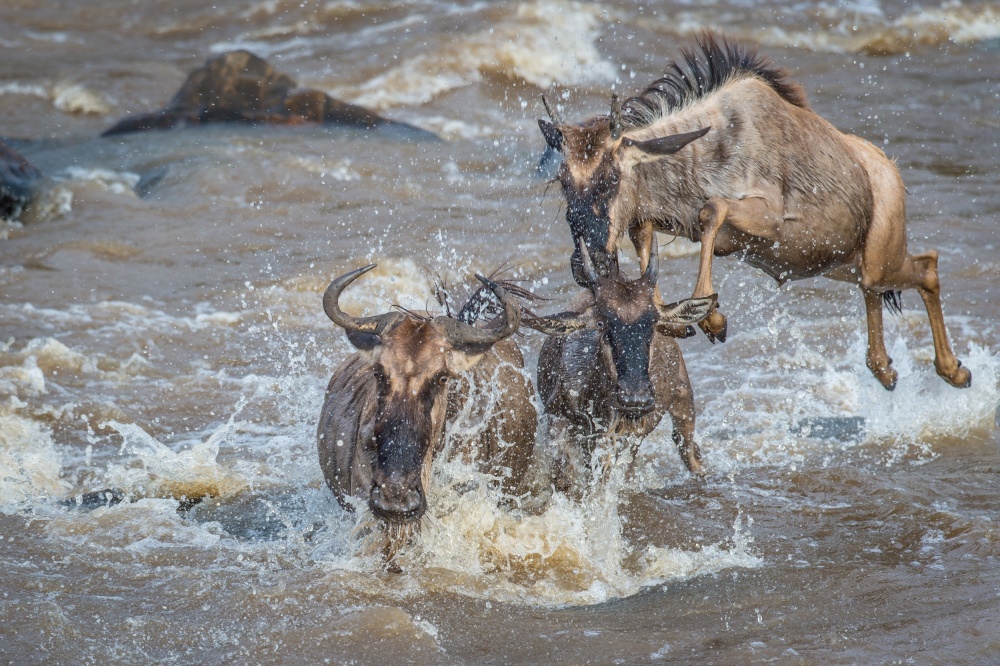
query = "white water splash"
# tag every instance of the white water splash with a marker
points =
(77, 99)
(156, 470)
(30, 466)
(116, 182)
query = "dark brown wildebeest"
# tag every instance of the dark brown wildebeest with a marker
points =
(610, 370)
(725, 150)
(388, 405)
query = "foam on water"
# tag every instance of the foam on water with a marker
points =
(56, 200)
(18, 88)
(542, 42)
(762, 417)
(571, 553)
(75, 98)
(30, 466)
(116, 182)
(864, 28)
(67, 96)
(162, 472)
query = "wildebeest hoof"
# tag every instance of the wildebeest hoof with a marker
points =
(887, 378)
(960, 378)
(715, 326)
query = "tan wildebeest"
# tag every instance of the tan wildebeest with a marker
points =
(387, 407)
(610, 370)
(725, 150)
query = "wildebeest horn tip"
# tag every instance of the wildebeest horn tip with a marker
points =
(553, 114)
(332, 308)
(615, 119)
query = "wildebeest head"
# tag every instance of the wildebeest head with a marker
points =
(413, 359)
(625, 316)
(596, 156)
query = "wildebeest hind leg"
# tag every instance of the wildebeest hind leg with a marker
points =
(949, 367)
(877, 359)
(641, 236)
(920, 271)
(681, 409)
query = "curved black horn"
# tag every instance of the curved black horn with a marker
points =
(653, 267)
(551, 110)
(373, 325)
(589, 272)
(615, 119)
(460, 333)
(560, 324)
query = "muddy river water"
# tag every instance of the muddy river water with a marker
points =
(161, 333)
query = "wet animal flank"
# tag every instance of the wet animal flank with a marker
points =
(387, 406)
(610, 371)
(724, 150)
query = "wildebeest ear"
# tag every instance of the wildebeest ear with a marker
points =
(552, 135)
(363, 341)
(688, 311)
(563, 323)
(664, 145)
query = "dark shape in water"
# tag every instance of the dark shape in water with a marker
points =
(149, 180)
(18, 182)
(95, 499)
(112, 496)
(240, 87)
(840, 428)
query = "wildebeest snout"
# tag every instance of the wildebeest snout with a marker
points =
(397, 498)
(634, 401)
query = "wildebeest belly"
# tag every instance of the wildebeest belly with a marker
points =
(813, 234)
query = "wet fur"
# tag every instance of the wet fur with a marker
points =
(504, 428)
(576, 381)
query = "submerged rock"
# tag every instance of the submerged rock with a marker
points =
(240, 87)
(19, 182)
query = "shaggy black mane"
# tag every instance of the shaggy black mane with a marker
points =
(704, 70)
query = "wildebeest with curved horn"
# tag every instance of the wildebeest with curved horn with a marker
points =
(724, 149)
(387, 406)
(609, 370)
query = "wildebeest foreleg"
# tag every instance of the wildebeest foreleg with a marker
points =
(681, 411)
(750, 216)
(641, 235)
(572, 456)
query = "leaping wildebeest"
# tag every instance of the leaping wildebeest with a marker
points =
(612, 369)
(387, 406)
(724, 149)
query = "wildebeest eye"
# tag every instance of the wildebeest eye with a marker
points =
(443, 378)
(601, 325)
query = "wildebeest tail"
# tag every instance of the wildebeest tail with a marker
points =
(893, 301)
